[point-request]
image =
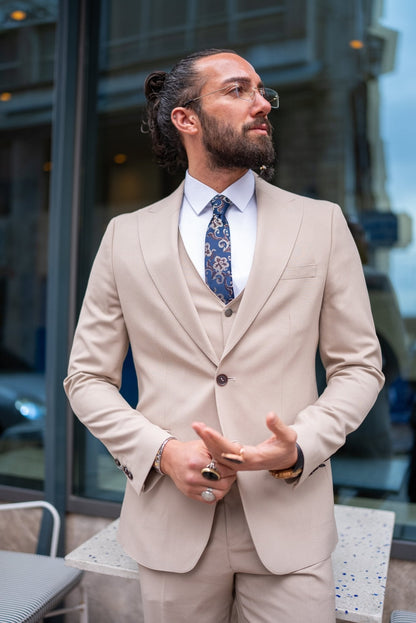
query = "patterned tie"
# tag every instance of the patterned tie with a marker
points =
(218, 251)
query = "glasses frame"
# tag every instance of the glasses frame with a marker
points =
(230, 86)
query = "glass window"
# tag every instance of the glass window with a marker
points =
(382, 452)
(26, 82)
(344, 132)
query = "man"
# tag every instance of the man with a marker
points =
(229, 490)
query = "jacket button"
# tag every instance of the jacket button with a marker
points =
(222, 379)
(117, 462)
(128, 473)
(228, 312)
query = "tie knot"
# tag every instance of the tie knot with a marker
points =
(220, 203)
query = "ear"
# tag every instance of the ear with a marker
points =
(185, 120)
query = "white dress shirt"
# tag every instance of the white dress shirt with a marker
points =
(196, 213)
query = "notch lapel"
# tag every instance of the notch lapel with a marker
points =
(158, 233)
(279, 217)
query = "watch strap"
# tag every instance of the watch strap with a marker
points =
(290, 472)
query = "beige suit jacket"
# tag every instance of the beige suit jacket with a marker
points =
(306, 287)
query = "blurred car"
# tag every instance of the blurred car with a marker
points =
(22, 405)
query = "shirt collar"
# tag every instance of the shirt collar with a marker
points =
(199, 195)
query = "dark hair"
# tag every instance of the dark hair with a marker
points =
(164, 91)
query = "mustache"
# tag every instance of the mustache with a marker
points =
(259, 125)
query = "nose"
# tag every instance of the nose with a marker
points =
(260, 103)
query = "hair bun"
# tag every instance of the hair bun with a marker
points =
(154, 84)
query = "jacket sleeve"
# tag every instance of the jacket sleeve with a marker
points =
(349, 351)
(94, 375)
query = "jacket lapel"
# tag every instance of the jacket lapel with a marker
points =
(158, 233)
(279, 217)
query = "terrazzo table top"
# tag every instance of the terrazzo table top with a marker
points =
(360, 560)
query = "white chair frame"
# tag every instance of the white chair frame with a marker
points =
(82, 607)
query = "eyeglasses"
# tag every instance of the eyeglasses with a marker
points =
(244, 92)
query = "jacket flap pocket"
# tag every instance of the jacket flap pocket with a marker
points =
(300, 272)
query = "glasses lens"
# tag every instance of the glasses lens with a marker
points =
(271, 96)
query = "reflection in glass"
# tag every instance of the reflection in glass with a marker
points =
(26, 75)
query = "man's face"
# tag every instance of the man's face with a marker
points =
(231, 148)
(235, 132)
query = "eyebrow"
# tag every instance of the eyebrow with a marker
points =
(240, 79)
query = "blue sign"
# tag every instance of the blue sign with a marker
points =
(381, 228)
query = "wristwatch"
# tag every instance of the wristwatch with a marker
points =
(290, 472)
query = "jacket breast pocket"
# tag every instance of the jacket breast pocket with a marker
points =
(300, 272)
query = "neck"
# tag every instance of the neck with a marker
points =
(218, 179)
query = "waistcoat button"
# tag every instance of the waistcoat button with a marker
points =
(228, 312)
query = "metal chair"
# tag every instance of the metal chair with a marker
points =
(402, 616)
(32, 585)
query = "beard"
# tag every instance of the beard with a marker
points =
(229, 149)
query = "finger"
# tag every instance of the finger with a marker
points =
(203, 430)
(279, 428)
(209, 495)
(220, 489)
(273, 422)
(213, 439)
(243, 456)
(199, 428)
(218, 446)
(230, 457)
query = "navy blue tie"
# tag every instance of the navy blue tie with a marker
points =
(218, 251)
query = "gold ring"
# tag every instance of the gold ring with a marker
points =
(210, 472)
(234, 458)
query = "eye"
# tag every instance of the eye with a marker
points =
(236, 90)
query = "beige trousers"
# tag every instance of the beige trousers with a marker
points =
(231, 584)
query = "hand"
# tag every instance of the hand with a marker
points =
(277, 452)
(183, 461)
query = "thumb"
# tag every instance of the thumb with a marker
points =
(279, 428)
(274, 423)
